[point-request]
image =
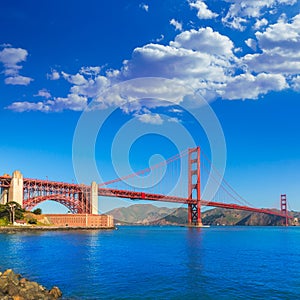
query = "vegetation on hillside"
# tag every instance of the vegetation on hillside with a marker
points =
(9, 212)
(152, 215)
(37, 211)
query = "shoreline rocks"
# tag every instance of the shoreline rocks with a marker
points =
(13, 287)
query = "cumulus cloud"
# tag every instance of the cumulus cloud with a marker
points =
(54, 75)
(248, 86)
(28, 106)
(85, 85)
(171, 62)
(11, 59)
(77, 79)
(260, 23)
(90, 71)
(203, 60)
(176, 24)
(204, 40)
(296, 83)
(71, 102)
(18, 80)
(240, 11)
(150, 118)
(280, 45)
(43, 93)
(251, 43)
(203, 11)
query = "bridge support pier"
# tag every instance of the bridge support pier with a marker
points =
(3, 195)
(15, 192)
(94, 198)
(284, 209)
(194, 208)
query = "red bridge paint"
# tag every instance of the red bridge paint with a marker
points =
(77, 197)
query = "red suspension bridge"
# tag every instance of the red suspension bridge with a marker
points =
(155, 183)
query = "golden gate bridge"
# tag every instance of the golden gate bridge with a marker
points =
(152, 184)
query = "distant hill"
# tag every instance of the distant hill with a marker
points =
(148, 214)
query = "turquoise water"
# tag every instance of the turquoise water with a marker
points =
(161, 262)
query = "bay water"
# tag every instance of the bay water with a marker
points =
(152, 262)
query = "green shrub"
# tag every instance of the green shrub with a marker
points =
(32, 221)
(37, 211)
(3, 222)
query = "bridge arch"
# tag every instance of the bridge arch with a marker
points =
(72, 204)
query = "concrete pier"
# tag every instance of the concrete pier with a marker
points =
(3, 196)
(15, 192)
(94, 198)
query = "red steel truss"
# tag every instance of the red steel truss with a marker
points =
(5, 181)
(76, 197)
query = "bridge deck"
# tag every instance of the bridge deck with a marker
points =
(159, 197)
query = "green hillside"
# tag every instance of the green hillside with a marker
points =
(148, 214)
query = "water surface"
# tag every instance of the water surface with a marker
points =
(160, 262)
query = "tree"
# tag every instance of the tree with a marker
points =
(37, 211)
(11, 211)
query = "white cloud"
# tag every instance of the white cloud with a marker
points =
(176, 111)
(85, 85)
(176, 24)
(237, 50)
(281, 35)
(76, 79)
(71, 102)
(280, 45)
(242, 10)
(91, 87)
(235, 22)
(149, 118)
(11, 59)
(18, 80)
(54, 75)
(43, 93)
(90, 71)
(251, 43)
(173, 120)
(160, 38)
(247, 86)
(260, 23)
(204, 40)
(203, 11)
(202, 59)
(171, 62)
(296, 83)
(28, 106)
(144, 6)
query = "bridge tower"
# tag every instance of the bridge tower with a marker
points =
(94, 198)
(194, 209)
(284, 209)
(15, 192)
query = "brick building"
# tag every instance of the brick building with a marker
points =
(81, 220)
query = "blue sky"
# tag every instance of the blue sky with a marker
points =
(59, 57)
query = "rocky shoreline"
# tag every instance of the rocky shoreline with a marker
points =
(13, 287)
